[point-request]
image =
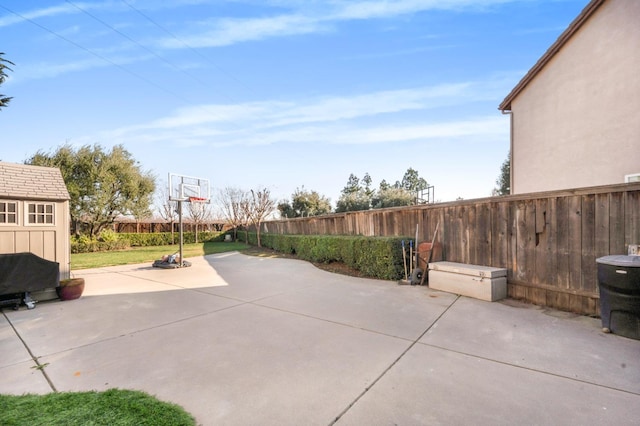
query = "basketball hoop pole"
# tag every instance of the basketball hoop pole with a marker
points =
(181, 236)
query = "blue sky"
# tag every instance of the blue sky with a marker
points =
(277, 93)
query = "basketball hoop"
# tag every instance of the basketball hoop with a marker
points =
(190, 189)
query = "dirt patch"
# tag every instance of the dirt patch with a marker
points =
(335, 267)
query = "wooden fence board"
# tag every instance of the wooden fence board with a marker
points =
(602, 224)
(616, 223)
(513, 242)
(562, 243)
(472, 236)
(525, 241)
(545, 260)
(588, 254)
(499, 233)
(575, 242)
(632, 218)
(483, 224)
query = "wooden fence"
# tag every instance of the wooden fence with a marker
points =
(548, 241)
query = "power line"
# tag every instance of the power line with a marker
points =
(166, 61)
(195, 51)
(128, 71)
(97, 55)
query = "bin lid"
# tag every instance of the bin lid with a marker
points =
(620, 260)
(465, 269)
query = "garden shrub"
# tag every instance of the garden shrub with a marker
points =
(86, 244)
(376, 257)
(108, 236)
(110, 240)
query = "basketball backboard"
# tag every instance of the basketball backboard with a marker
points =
(184, 188)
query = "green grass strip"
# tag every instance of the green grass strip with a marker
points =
(149, 254)
(114, 407)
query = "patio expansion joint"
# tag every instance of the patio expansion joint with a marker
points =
(377, 379)
(531, 369)
(38, 366)
(343, 324)
(142, 330)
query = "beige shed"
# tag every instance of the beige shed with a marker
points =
(34, 213)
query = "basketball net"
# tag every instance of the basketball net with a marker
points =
(197, 199)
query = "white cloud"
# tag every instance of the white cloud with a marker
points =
(35, 14)
(304, 19)
(392, 8)
(41, 70)
(225, 32)
(370, 118)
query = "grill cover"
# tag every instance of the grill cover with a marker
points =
(22, 272)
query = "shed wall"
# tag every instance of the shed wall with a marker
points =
(50, 242)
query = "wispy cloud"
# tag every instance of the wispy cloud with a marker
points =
(338, 120)
(313, 18)
(41, 70)
(301, 17)
(12, 19)
(225, 32)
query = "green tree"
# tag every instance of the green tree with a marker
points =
(366, 181)
(305, 203)
(354, 196)
(412, 182)
(504, 180)
(4, 100)
(353, 185)
(353, 202)
(102, 185)
(392, 197)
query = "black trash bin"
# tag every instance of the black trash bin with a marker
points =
(619, 282)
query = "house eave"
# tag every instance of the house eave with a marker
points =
(550, 53)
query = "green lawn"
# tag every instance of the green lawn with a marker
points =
(148, 254)
(113, 407)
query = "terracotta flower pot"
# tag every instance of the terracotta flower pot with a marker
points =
(70, 289)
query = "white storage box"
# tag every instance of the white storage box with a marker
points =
(479, 282)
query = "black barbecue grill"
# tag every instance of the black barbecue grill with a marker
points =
(23, 273)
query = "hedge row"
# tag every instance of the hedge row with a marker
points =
(90, 246)
(123, 241)
(376, 257)
(164, 238)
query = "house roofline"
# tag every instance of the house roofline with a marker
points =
(550, 53)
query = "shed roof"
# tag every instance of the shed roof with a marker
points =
(31, 182)
(550, 53)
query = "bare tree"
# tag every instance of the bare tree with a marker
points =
(258, 207)
(168, 209)
(232, 203)
(199, 212)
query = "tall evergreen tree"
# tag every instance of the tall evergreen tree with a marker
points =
(504, 180)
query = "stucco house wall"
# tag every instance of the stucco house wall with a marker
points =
(576, 115)
(34, 213)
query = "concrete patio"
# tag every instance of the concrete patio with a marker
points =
(240, 340)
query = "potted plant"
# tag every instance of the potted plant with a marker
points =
(70, 288)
